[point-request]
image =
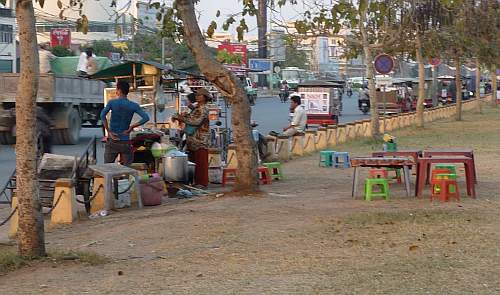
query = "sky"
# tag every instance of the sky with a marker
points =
(207, 10)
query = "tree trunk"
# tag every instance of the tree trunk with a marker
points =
(494, 85)
(262, 36)
(31, 232)
(458, 86)
(227, 83)
(375, 128)
(421, 82)
(478, 86)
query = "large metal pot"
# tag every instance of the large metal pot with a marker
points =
(175, 166)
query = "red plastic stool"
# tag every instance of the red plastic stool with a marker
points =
(439, 171)
(264, 175)
(228, 176)
(378, 173)
(440, 188)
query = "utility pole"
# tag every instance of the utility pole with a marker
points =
(262, 36)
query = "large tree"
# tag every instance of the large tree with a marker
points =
(31, 231)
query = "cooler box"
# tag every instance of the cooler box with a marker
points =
(152, 191)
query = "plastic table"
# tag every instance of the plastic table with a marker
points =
(452, 152)
(382, 162)
(111, 171)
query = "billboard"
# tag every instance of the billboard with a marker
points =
(60, 37)
(240, 49)
(315, 102)
(261, 64)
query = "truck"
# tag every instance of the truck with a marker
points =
(67, 101)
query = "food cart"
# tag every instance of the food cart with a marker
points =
(322, 101)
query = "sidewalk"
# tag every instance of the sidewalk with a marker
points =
(306, 236)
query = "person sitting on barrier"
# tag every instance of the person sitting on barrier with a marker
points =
(299, 120)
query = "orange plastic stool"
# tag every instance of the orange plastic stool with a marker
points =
(264, 175)
(378, 173)
(228, 176)
(440, 189)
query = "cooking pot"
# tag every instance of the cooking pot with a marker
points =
(175, 166)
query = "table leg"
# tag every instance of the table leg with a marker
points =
(138, 190)
(428, 174)
(469, 172)
(406, 172)
(474, 168)
(109, 200)
(355, 182)
(421, 178)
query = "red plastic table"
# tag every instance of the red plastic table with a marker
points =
(415, 154)
(377, 162)
(452, 152)
(424, 163)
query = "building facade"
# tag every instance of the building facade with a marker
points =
(8, 48)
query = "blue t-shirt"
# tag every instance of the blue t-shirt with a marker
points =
(122, 111)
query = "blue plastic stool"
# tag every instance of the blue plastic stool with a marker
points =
(341, 160)
(326, 158)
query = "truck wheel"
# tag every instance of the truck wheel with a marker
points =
(71, 135)
(7, 138)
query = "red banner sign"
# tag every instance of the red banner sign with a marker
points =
(60, 37)
(240, 49)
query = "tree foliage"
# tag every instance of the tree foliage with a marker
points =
(62, 51)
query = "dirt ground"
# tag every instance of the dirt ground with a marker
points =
(305, 236)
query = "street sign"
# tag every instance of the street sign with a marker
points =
(60, 37)
(260, 64)
(383, 81)
(384, 63)
(435, 61)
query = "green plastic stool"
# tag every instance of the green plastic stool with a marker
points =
(275, 170)
(326, 158)
(452, 168)
(448, 176)
(397, 171)
(370, 183)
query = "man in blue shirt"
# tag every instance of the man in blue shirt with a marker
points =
(122, 111)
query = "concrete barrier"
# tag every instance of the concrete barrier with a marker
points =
(271, 147)
(64, 208)
(321, 141)
(341, 133)
(331, 135)
(350, 133)
(367, 128)
(297, 149)
(283, 148)
(232, 157)
(310, 142)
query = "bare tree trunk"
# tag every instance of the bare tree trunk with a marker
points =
(370, 77)
(421, 82)
(227, 83)
(262, 36)
(31, 232)
(494, 85)
(478, 86)
(458, 86)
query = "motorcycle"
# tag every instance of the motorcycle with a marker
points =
(365, 108)
(284, 93)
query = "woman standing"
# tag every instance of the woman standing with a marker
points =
(198, 135)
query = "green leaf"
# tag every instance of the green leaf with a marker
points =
(41, 2)
(218, 13)
(3, 2)
(59, 4)
(211, 29)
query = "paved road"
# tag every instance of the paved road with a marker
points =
(268, 112)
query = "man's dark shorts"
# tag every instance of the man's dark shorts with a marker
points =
(114, 148)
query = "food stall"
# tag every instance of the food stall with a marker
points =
(157, 89)
(322, 101)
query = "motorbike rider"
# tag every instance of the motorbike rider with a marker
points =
(284, 91)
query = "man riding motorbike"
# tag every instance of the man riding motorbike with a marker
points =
(284, 91)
